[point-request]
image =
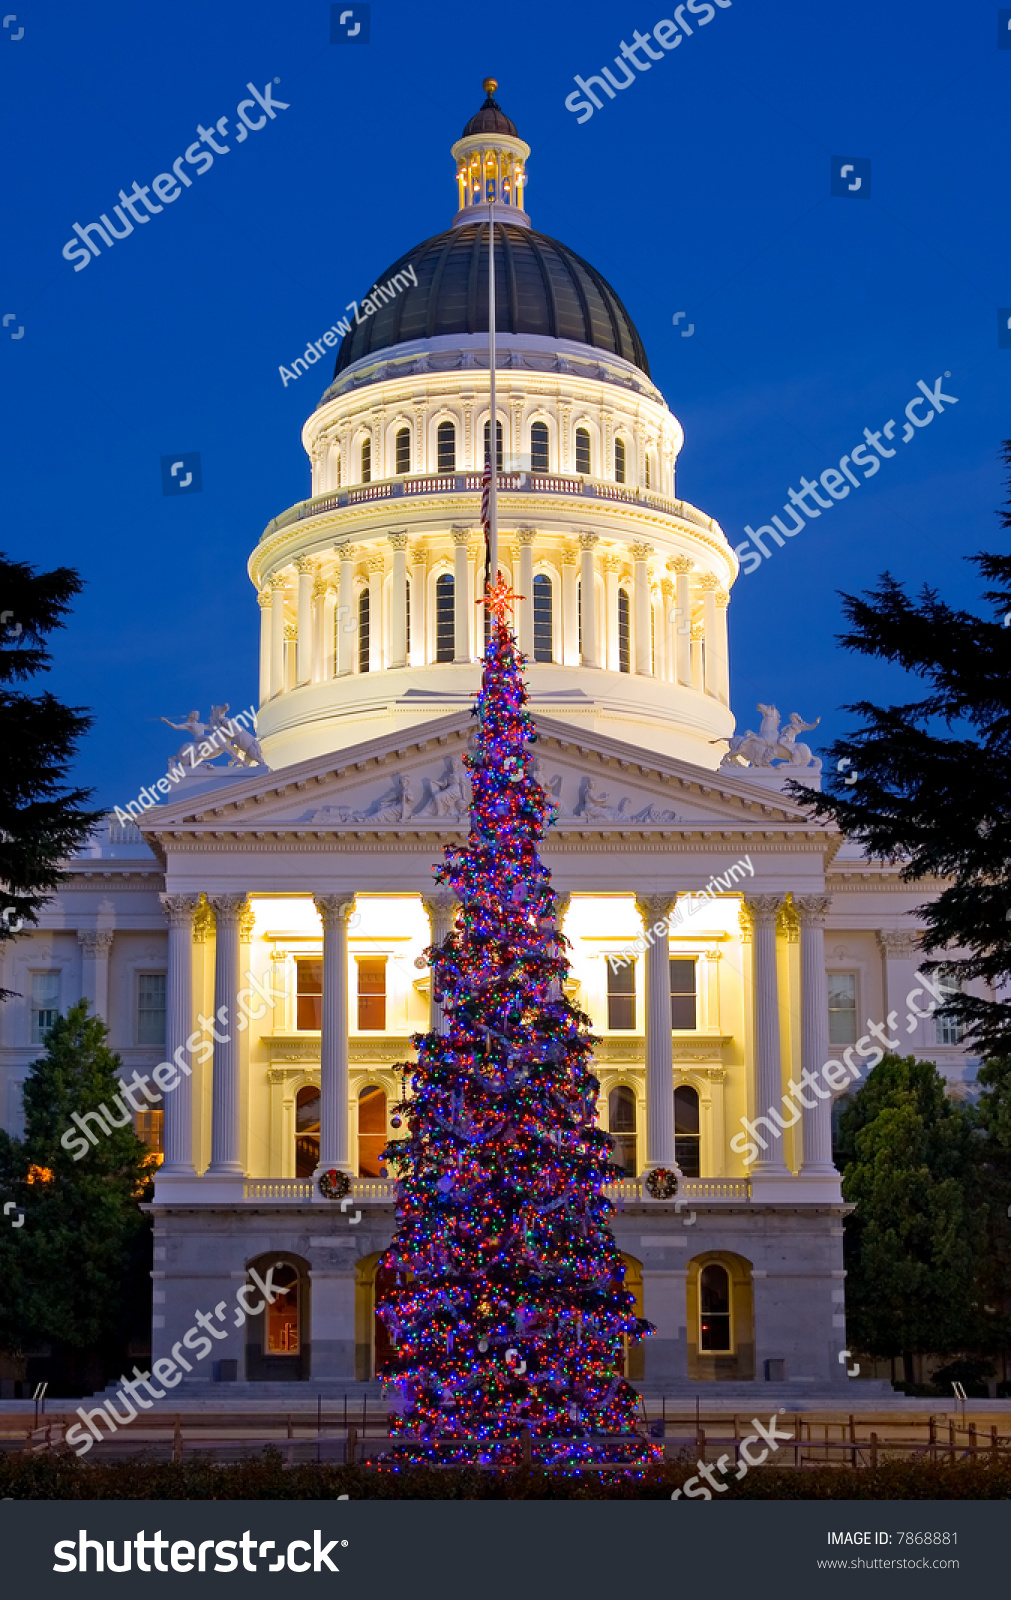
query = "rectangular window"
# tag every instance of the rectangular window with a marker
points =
(403, 452)
(309, 995)
(620, 994)
(150, 1008)
(947, 1030)
(683, 996)
(45, 1004)
(150, 1126)
(371, 993)
(583, 452)
(842, 1008)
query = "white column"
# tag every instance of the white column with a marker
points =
(228, 909)
(334, 910)
(669, 670)
(525, 607)
(95, 944)
(319, 593)
(643, 609)
(461, 621)
(178, 1102)
(442, 909)
(681, 566)
(764, 910)
(612, 567)
(710, 584)
(347, 616)
(722, 654)
(814, 1046)
(419, 585)
(328, 626)
(306, 578)
(697, 654)
(398, 612)
(570, 608)
(277, 636)
(588, 600)
(654, 910)
(377, 570)
(263, 600)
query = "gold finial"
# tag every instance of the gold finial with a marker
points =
(490, 85)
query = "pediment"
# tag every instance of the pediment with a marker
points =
(400, 785)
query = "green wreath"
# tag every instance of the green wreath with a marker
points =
(661, 1183)
(334, 1185)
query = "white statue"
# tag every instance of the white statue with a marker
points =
(448, 798)
(243, 746)
(196, 730)
(771, 744)
(596, 804)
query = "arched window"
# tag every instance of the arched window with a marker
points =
(446, 437)
(647, 469)
(338, 469)
(283, 1313)
(621, 1121)
(619, 460)
(542, 617)
(714, 1308)
(445, 618)
(624, 632)
(498, 445)
(371, 1131)
(403, 444)
(539, 447)
(366, 460)
(306, 1131)
(583, 451)
(686, 1130)
(363, 630)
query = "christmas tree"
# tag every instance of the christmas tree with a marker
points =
(508, 1314)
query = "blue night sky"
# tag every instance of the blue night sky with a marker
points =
(703, 187)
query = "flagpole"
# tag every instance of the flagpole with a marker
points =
(493, 418)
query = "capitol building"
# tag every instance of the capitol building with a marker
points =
(264, 928)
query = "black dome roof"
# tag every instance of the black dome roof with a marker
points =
(490, 119)
(541, 287)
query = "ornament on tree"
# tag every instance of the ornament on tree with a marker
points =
(509, 1291)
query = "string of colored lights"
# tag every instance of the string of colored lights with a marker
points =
(507, 1315)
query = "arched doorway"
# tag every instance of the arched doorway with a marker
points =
(278, 1338)
(372, 1135)
(721, 1321)
(373, 1348)
(634, 1349)
(307, 1130)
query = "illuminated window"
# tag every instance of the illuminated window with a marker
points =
(624, 632)
(446, 437)
(620, 994)
(619, 460)
(842, 1008)
(309, 995)
(621, 1121)
(150, 1008)
(403, 451)
(282, 1314)
(371, 993)
(445, 618)
(366, 460)
(45, 1006)
(371, 1131)
(686, 1130)
(542, 618)
(714, 1308)
(539, 447)
(150, 1127)
(307, 1131)
(948, 1030)
(364, 604)
(583, 451)
(647, 469)
(498, 445)
(683, 999)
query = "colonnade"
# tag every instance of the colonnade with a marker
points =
(761, 915)
(676, 624)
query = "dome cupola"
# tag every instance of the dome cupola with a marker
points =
(491, 166)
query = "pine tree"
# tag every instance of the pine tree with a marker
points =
(928, 783)
(915, 1246)
(509, 1311)
(41, 820)
(76, 1273)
